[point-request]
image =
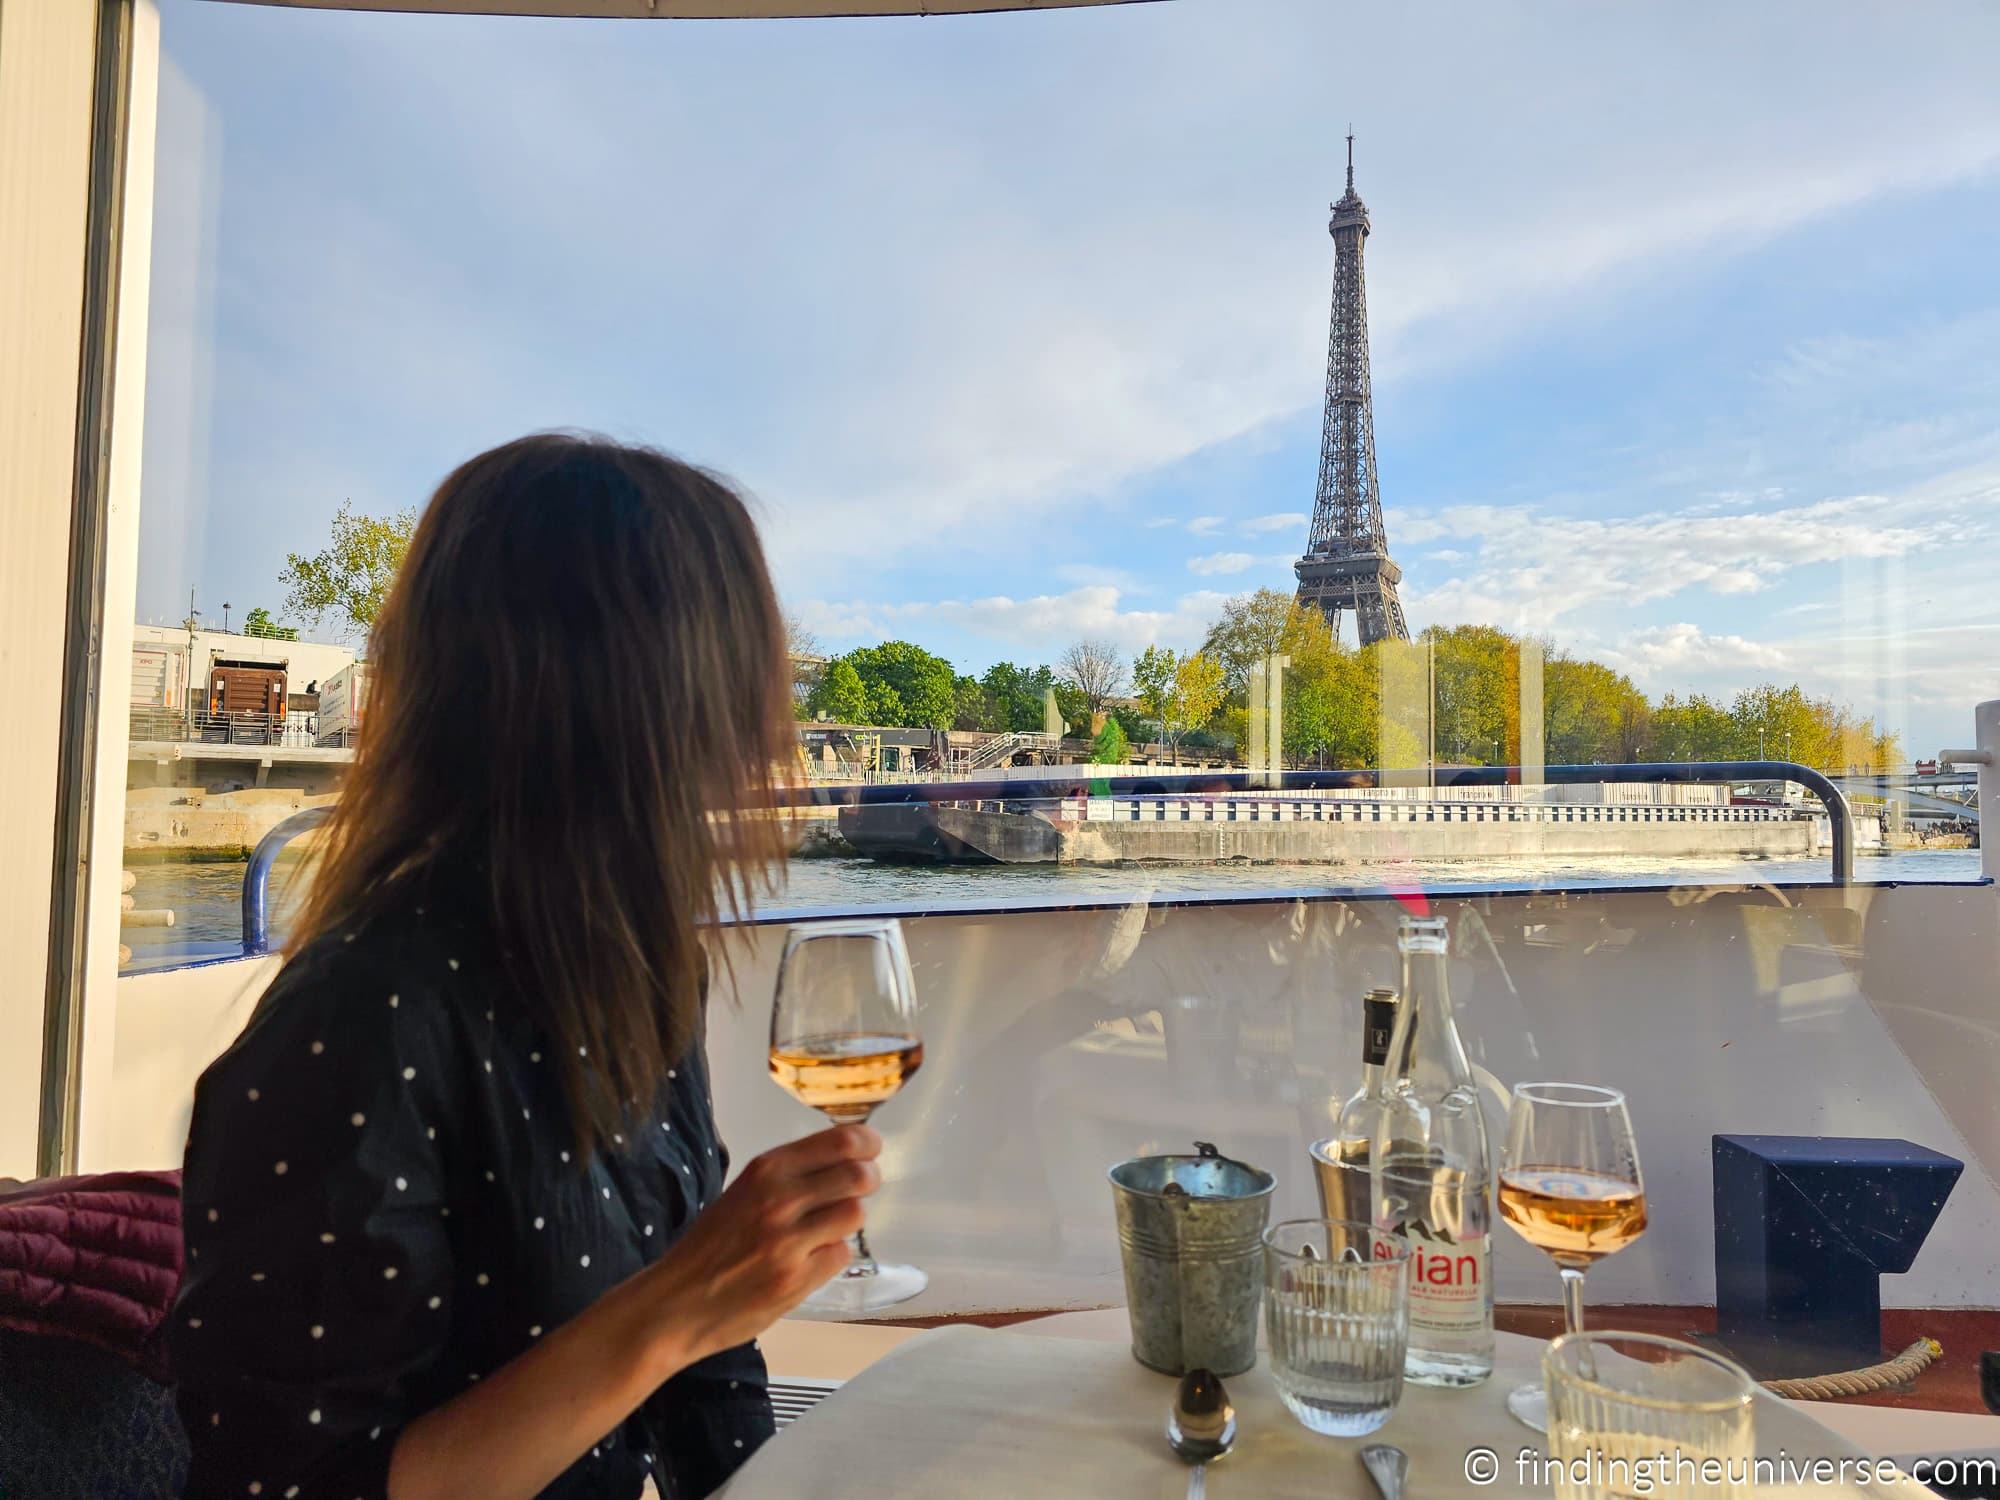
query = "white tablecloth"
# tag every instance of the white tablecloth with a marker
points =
(965, 1412)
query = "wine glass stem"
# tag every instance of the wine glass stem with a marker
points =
(1572, 1298)
(862, 1261)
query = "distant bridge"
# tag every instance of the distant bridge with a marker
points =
(1926, 792)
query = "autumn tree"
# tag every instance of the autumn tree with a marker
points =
(1095, 669)
(1690, 728)
(1180, 692)
(1592, 713)
(349, 578)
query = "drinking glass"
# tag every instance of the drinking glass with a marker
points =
(1638, 1414)
(1337, 1319)
(843, 1039)
(1569, 1185)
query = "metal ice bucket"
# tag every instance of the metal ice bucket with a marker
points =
(1189, 1233)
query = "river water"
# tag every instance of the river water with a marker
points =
(206, 899)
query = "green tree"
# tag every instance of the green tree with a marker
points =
(1072, 704)
(1153, 681)
(1476, 670)
(886, 706)
(259, 623)
(1266, 623)
(906, 685)
(1018, 694)
(350, 577)
(840, 694)
(1330, 709)
(1137, 731)
(974, 708)
(1110, 747)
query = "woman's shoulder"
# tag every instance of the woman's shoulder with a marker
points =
(378, 987)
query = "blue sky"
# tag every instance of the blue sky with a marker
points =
(1686, 319)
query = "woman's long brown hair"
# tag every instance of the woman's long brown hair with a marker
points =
(579, 705)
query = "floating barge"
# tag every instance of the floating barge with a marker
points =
(1333, 827)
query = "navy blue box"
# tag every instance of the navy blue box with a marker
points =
(1804, 1228)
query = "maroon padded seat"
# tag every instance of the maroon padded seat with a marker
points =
(96, 1259)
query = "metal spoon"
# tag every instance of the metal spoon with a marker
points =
(1388, 1466)
(1201, 1426)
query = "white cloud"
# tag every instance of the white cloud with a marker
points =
(1532, 568)
(1672, 650)
(1221, 562)
(1092, 573)
(1204, 525)
(1289, 520)
(1047, 622)
(1158, 521)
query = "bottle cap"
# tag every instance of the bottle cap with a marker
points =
(1378, 1025)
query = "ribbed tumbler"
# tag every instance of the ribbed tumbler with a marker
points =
(1638, 1414)
(1337, 1319)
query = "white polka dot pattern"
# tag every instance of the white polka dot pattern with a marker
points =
(359, 1255)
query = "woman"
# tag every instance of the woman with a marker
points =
(455, 1213)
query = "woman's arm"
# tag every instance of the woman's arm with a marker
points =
(778, 1232)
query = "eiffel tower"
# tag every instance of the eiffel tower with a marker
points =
(1347, 566)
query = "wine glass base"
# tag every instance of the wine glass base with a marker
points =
(848, 1295)
(1529, 1405)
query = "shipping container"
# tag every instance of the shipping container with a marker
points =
(343, 704)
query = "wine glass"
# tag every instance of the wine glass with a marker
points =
(843, 1039)
(1569, 1185)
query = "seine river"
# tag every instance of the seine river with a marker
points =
(206, 898)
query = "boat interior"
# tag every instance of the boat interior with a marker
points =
(1068, 1024)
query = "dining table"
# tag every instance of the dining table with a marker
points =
(968, 1413)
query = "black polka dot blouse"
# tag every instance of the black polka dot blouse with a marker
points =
(382, 1207)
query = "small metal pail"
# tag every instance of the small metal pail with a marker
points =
(1189, 1233)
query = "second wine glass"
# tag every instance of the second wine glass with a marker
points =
(1569, 1186)
(844, 1038)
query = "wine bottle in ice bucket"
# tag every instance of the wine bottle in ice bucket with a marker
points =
(1341, 1161)
(1431, 1174)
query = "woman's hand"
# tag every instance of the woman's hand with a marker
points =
(749, 1258)
(777, 1233)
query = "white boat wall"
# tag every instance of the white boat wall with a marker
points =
(1059, 1041)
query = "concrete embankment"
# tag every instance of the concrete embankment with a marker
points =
(186, 825)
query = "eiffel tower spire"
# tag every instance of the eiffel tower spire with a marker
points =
(1347, 566)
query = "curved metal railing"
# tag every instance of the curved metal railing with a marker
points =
(1840, 818)
(257, 878)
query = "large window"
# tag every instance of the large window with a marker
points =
(1019, 327)
(1569, 501)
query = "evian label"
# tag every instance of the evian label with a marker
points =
(1449, 1245)
(1447, 1282)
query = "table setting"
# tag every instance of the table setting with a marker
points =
(1352, 1353)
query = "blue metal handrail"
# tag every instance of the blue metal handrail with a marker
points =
(257, 878)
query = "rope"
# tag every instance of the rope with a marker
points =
(1906, 1366)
